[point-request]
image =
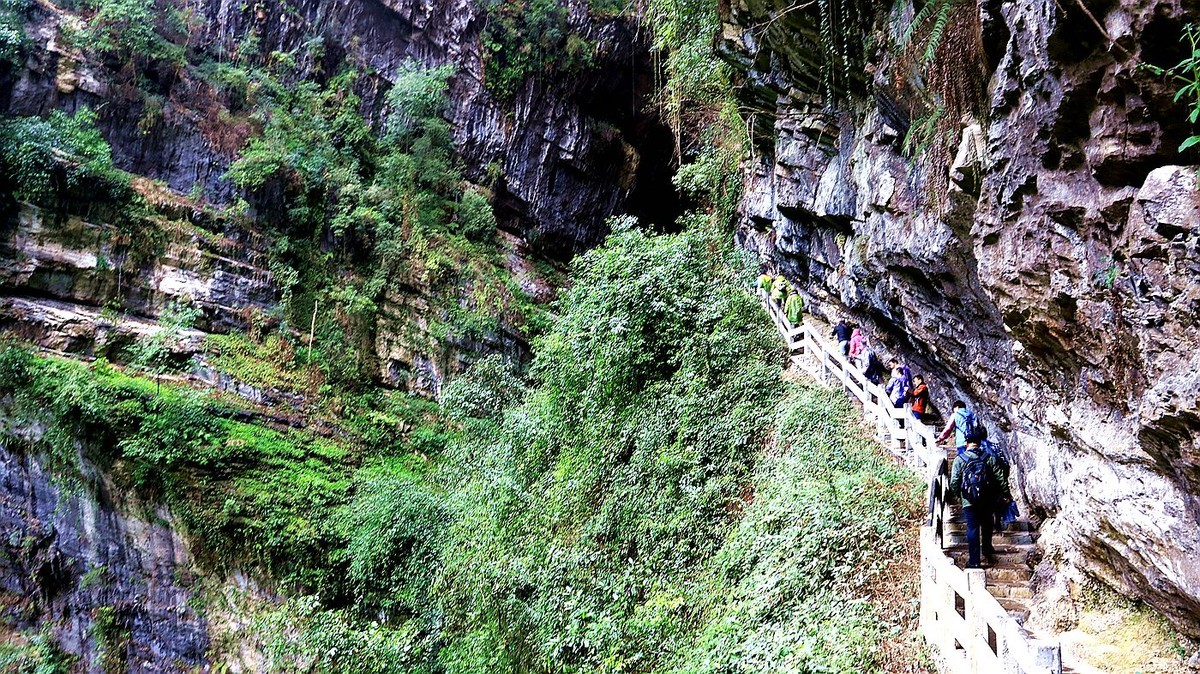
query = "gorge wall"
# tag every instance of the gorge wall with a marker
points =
(559, 155)
(110, 577)
(1055, 285)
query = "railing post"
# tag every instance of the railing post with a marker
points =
(1048, 658)
(977, 626)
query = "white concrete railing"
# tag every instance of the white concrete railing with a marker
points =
(972, 631)
(896, 428)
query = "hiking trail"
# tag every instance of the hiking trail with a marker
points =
(974, 619)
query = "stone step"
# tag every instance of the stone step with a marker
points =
(1004, 560)
(954, 539)
(1017, 608)
(1009, 574)
(1009, 590)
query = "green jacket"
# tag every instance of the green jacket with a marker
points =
(998, 470)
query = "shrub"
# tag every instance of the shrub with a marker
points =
(524, 39)
(13, 39)
(61, 154)
(394, 526)
(130, 30)
(475, 217)
(483, 392)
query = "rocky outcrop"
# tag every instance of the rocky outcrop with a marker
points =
(71, 285)
(113, 589)
(569, 151)
(1054, 286)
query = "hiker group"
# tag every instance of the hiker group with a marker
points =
(979, 475)
(784, 295)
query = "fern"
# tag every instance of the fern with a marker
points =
(938, 28)
(924, 131)
(937, 15)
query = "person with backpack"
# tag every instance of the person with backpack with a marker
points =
(962, 423)
(873, 368)
(980, 481)
(793, 308)
(1006, 510)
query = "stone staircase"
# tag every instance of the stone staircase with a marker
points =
(1008, 580)
(974, 619)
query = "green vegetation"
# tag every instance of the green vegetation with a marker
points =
(648, 495)
(46, 159)
(13, 39)
(940, 74)
(1187, 74)
(647, 479)
(154, 353)
(35, 654)
(271, 362)
(526, 38)
(135, 30)
(111, 636)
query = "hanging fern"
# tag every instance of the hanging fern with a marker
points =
(940, 73)
(936, 14)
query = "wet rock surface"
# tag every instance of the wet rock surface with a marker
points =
(1055, 286)
(106, 584)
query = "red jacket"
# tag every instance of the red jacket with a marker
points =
(920, 398)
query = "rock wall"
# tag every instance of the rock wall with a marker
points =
(89, 287)
(572, 148)
(1056, 287)
(113, 589)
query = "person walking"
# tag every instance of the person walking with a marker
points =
(919, 395)
(961, 424)
(905, 372)
(857, 342)
(896, 390)
(841, 332)
(981, 482)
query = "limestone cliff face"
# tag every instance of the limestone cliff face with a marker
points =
(571, 150)
(1056, 287)
(565, 154)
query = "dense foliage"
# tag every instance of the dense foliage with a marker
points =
(650, 477)
(44, 159)
(647, 496)
(529, 38)
(13, 39)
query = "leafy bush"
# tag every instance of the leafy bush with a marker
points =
(130, 29)
(1187, 74)
(38, 655)
(475, 216)
(61, 154)
(155, 352)
(485, 391)
(13, 39)
(301, 636)
(394, 526)
(522, 39)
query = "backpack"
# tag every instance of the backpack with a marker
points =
(991, 448)
(976, 479)
(971, 427)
